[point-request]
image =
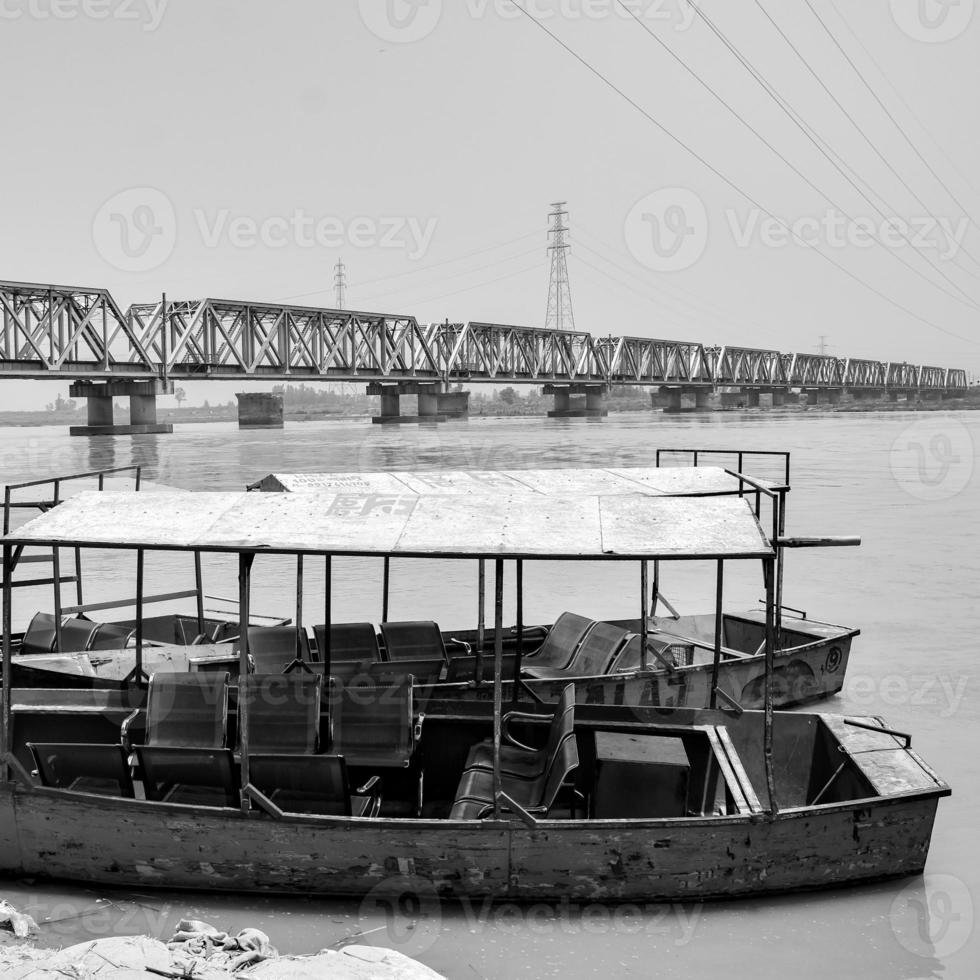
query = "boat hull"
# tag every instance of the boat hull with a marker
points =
(78, 837)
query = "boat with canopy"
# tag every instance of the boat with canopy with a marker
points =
(301, 783)
(606, 659)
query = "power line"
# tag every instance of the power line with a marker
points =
(898, 95)
(730, 183)
(887, 112)
(881, 156)
(478, 285)
(795, 117)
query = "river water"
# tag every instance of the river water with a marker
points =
(905, 482)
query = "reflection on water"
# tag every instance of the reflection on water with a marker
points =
(904, 482)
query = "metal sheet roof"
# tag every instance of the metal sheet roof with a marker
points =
(653, 481)
(436, 524)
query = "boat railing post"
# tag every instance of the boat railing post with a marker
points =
(769, 573)
(138, 669)
(655, 591)
(79, 600)
(519, 588)
(481, 619)
(780, 559)
(299, 594)
(719, 588)
(498, 659)
(644, 620)
(245, 560)
(6, 729)
(199, 585)
(327, 611)
(56, 575)
(386, 582)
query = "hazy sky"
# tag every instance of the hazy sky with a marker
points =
(239, 149)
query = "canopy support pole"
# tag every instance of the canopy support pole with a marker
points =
(655, 593)
(56, 575)
(245, 560)
(299, 595)
(769, 573)
(138, 669)
(7, 729)
(327, 611)
(520, 630)
(78, 576)
(481, 619)
(386, 582)
(199, 585)
(780, 558)
(498, 659)
(644, 619)
(719, 586)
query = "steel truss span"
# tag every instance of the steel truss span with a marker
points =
(75, 332)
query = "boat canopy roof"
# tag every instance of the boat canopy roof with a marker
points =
(500, 525)
(667, 481)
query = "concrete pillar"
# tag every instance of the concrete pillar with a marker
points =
(563, 401)
(428, 403)
(99, 410)
(390, 394)
(453, 404)
(764, 400)
(778, 398)
(702, 398)
(750, 398)
(142, 406)
(259, 410)
(595, 400)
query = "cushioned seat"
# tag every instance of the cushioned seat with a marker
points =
(85, 767)
(561, 643)
(374, 725)
(184, 774)
(348, 641)
(312, 784)
(274, 648)
(414, 640)
(283, 712)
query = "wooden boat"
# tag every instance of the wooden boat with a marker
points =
(463, 798)
(811, 656)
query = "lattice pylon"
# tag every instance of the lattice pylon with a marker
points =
(559, 315)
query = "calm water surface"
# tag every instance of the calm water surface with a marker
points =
(905, 482)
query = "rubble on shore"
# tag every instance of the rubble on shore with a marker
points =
(196, 950)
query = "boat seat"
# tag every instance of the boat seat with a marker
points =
(474, 795)
(413, 640)
(374, 725)
(187, 710)
(519, 760)
(283, 712)
(182, 774)
(312, 784)
(463, 668)
(593, 658)
(348, 641)
(110, 636)
(561, 643)
(274, 648)
(39, 635)
(85, 767)
(77, 634)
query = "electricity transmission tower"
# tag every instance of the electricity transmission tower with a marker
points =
(340, 282)
(559, 315)
(822, 346)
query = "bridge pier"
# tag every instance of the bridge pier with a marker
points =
(595, 401)
(686, 399)
(259, 410)
(142, 407)
(427, 392)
